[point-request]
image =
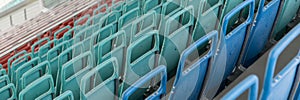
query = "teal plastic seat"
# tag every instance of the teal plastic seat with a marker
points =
(82, 22)
(42, 88)
(63, 58)
(8, 92)
(98, 13)
(36, 46)
(68, 36)
(58, 40)
(99, 36)
(126, 19)
(2, 71)
(4, 80)
(250, 82)
(23, 69)
(113, 46)
(72, 72)
(34, 73)
(177, 38)
(160, 71)
(141, 58)
(84, 37)
(142, 25)
(101, 82)
(287, 12)
(19, 63)
(43, 50)
(150, 5)
(130, 5)
(13, 58)
(53, 55)
(68, 95)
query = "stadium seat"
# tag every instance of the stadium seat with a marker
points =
(130, 5)
(4, 80)
(42, 88)
(251, 83)
(58, 34)
(13, 58)
(287, 12)
(113, 46)
(177, 38)
(260, 31)
(72, 72)
(150, 5)
(143, 24)
(53, 55)
(36, 46)
(43, 50)
(18, 63)
(285, 78)
(101, 82)
(82, 22)
(191, 70)
(141, 59)
(68, 95)
(232, 41)
(125, 21)
(23, 69)
(160, 71)
(34, 73)
(8, 92)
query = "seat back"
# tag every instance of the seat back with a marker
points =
(232, 42)
(130, 5)
(287, 12)
(127, 18)
(34, 73)
(160, 71)
(23, 69)
(155, 5)
(140, 53)
(113, 46)
(58, 34)
(13, 58)
(279, 86)
(8, 92)
(260, 32)
(84, 36)
(42, 88)
(72, 72)
(4, 80)
(101, 82)
(19, 63)
(53, 57)
(82, 22)
(177, 38)
(43, 50)
(68, 95)
(251, 82)
(142, 25)
(36, 46)
(65, 57)
(193, 67)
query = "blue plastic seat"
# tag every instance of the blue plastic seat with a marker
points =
(160, 71)
(42, 88)
(34, 73)
(191, 70)
(177, 38)
(8, 92)
(295, 93)
(101, 82)
(113, 46)
(37, 45)
(250, 82)
(260, 31)
(23, 69)
(68, 95)
(4, 80)
(72, 72)
(231, 43)
(285, 78)
(141, 58)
